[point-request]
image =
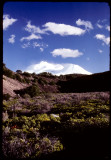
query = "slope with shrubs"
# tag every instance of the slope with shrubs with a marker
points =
(46, 82)
(86, 83)
(54, 126)
(42, 122)
(14, 82)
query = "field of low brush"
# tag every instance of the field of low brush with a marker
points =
(52, 126)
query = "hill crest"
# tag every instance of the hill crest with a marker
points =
(20, 82)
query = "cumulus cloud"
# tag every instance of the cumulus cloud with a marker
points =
(7, 21)
(12, 39)
(31, 37)
(65, 53)
(44, 66)
(33, 29)
(108, 28)
(63, 29)
(102, 37)
(87, 24)
(56, 69)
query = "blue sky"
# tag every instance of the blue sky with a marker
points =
(56, 37)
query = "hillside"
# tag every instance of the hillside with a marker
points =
(9, 85)
(23, 83)
(45, 121)
(87, 83)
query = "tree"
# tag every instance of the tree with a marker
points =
(19, 71)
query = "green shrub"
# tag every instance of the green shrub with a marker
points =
(19, 71)
(33, 90)
(52, 83)
(17, 76)
(57, 146)
(7, 72)
(43, 117)
(27, 74)
(6, 96)
(26, 80)
(42, 81)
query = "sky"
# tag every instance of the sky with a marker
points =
(56, 37)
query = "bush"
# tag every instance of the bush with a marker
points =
(19, 71)
(7, 72)
(31, 90)
(6, 96)
(17, 76)
(52, 83)
(26, 74)
(42, 81)
(27, 80)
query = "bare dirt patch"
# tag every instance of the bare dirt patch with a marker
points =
(9, 85)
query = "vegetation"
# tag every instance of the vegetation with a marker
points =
(53, 126)
(17, 77)
(7, 72)
(48, 121)
(42, 81)
(85, 83)
(32, 91)
(19, 71)
(26, 74)
(6, 96)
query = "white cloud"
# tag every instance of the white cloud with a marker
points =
(12, 39)
(63, 29)
(36, 44)
(100, 51)
(108, 28)
(7, 21)
(26, 45)
(102, 37)
(31, 37)
(65, 53)
(87, 24)
(99, 26)
(42, 45)
(56, 69)
(41, 49)
(44, 66)
(33, 29)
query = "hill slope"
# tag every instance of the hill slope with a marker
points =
(19, 83)
(9, 85)
(87, 83)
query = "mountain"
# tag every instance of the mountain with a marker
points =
(72, 69)
(24, 83)
(56, 69)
